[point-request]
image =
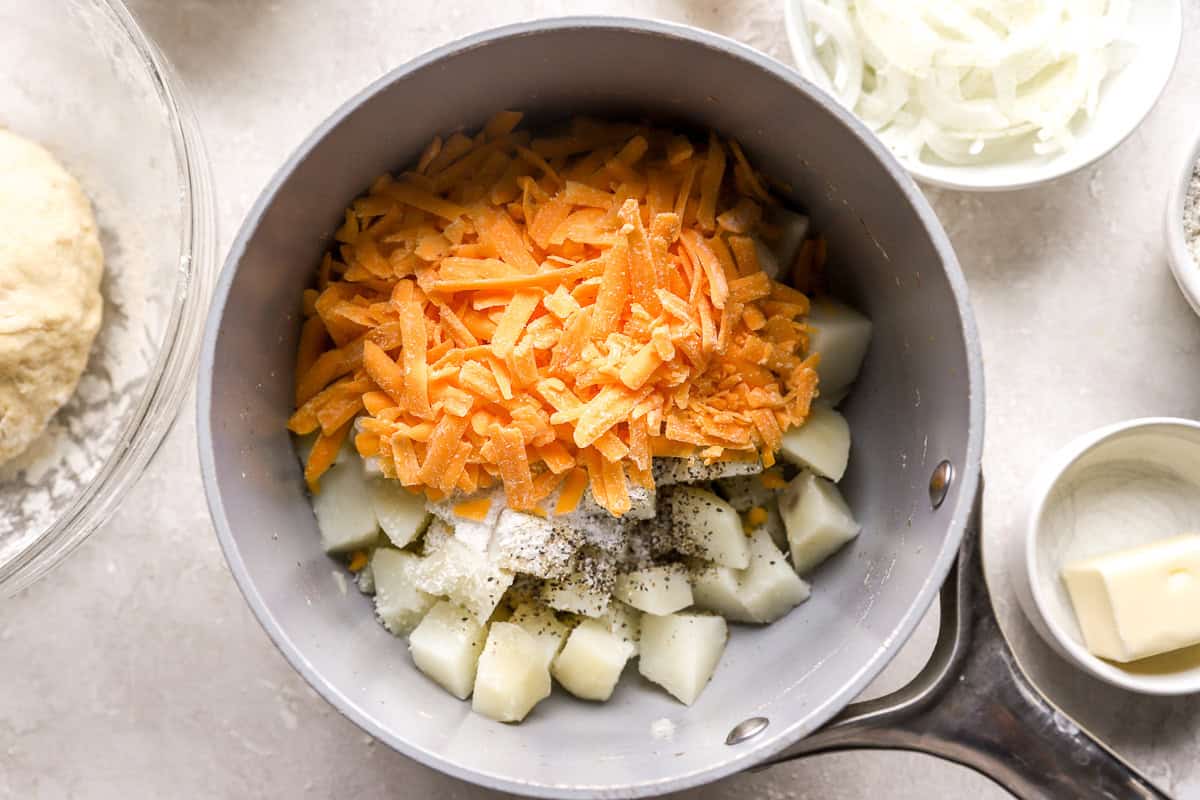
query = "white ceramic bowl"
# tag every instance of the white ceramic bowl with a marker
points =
(1098, 474)
(1155, 29)
(1183, 264)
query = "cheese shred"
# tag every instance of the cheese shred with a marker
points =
(550, 314)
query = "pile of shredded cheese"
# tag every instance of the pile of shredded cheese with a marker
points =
(969, 81)
(552, 313)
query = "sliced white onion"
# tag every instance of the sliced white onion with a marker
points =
(847, 78)
(968, 81)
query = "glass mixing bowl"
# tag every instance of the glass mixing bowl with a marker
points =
(80, 77)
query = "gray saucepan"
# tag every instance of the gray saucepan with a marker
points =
(916, 416)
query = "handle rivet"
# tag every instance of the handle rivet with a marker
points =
(939, 483)
(747, 729)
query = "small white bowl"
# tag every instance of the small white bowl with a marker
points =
(1183, 264)
(1155, 29)
(1097, 475)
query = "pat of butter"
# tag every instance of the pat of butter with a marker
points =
(1138, 602)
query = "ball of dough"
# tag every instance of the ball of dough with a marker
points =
(50, 304)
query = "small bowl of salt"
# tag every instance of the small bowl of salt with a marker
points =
(1183, 228)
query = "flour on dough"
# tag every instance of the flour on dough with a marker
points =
(50, 303)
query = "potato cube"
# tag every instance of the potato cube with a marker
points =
(821, 444)
(769, 587)
(543, 625)
(623, 620)
(446, 647)
(511, 677)
(669, 471)
(763, 592)
(680, 652)
(841, 336)
(642, 505)
(345, 516)
(591, 662)
(707, 527)
(744, 492)
(718, 589)
(399, 604)
(401, 513)
(465, 576)
(655, 590)
(818, 520)
(532, 545)
(475, 533)
(587, 590)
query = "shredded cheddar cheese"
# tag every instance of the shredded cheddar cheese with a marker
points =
(358, 561)
(552, 313)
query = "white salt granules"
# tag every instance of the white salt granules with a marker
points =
(1191, 214)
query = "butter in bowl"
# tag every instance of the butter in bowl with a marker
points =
(1141, 602)
(1108, 570)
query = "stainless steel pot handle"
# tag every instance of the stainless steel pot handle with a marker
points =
(972, 704)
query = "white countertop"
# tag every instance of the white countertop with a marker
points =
(135, 669)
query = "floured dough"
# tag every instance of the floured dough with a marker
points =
(50, 304)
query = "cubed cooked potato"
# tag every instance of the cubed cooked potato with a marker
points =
(818, 520)
(841, 336)
(669, 471)
(446, 647)
(744, 492)
(533, 545)
(441, 571)
(436, 536)
(679, 652)
(655, 590)
(401, 513)
(587, 590)
(718, 589)
(763, 592)
(511, 677)
(399, 604)
(345, 516)
(460, 573)
(623, 620)
(821, 444)
(707, 527)
(650, 540)
(769, 587)
(750, 492)
(591, 661)
(543, 625)
(474, 533)
(642, 504)
(793, 229)
(576, 596)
